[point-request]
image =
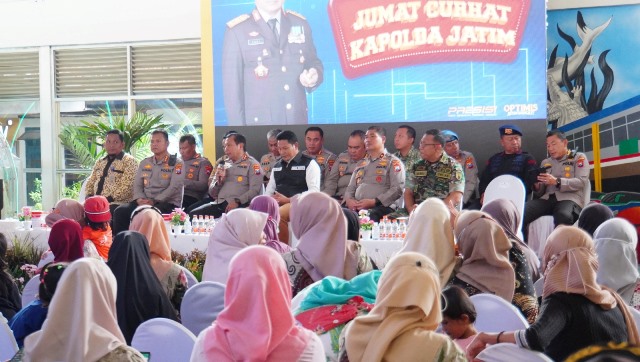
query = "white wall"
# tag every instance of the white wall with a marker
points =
(30, 23)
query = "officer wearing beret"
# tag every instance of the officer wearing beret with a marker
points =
(562, 185)
(468, 163)
(511, 161)
(269, 62)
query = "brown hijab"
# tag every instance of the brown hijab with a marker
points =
(66, 209)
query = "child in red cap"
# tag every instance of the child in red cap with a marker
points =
(98, 230)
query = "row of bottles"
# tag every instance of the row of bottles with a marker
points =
(389, 230)
(200, 225)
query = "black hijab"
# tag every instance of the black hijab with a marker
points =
(592, 216)
(353, 224)
(140, 295)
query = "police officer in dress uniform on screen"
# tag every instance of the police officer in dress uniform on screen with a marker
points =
(269, 62)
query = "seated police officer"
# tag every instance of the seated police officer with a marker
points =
(197, 170)
(336, 183)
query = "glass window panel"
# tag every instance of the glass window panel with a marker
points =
(634, 129)
(606, 139)
(619, 122)
(619, 134)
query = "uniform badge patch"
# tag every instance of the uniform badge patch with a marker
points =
(256, 169)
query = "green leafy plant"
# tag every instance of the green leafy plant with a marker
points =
(194, 261)
(22, 258)
(36, 194)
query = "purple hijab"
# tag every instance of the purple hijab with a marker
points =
(269, 206)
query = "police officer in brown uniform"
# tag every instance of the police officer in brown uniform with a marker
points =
(158, 182)
(234, 183)
(269, 62)
(268, 160)
(378, 183)
(335, 185)
(197, 170)
(562, 184)
(314, 141)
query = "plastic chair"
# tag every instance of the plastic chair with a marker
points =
(166, 340)
(8, 345)
(511, 188)
(496, 314)
(201, 305)
(636, 315)
(191, 279)
(30, 291)
(509, 352)
(82, 195)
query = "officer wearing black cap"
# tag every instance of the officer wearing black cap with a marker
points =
(511, 161)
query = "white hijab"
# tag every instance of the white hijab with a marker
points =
(615, 245)
(81, 324)
(233, 232)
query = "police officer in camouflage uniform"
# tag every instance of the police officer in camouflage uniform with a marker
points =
(512, 161)
(562, 184)
(234, 184)
(269, 63)
(436, 175)
(314, 141)
(267, 161)
(468, 163)
(403, 141)
(197, 170)
(377, 184)
(158, 182)
(336, 183)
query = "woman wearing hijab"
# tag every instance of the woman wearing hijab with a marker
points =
(402, 324)
(66, 242)
(429, 233)
(486, 267)
(10, 301)
(233, 232)
(576, 311)
(269, 205)
(256, 323)
(140, 296)
(506, 214)
(615, 244)
(66, 209)
(320, 226)
(592, 216)
(149, 222)
(73, 330)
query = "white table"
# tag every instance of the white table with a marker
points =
(380, 251)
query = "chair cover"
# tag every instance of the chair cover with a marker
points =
(164, 339)
(201, 305)
(496, 315)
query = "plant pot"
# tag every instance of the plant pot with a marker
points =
(365, 234)
(177, 229)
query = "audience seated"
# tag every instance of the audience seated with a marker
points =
(256, 323)
(506, 214)
(489, 264)
(402, 324)
(66, 209)
(149, 222)
(10, 302)
(576, 311)
(97, 229)
(233, 232)
(81, 324)
(269, 205)
(615, 244)
(320, 226)
(140, 295)
(66, 242)
(30, 318)
(592, 216)
(429, 233)
(458, 316)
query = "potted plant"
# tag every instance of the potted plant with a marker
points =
(366, 224)
(178, 217)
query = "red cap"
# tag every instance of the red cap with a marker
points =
(97, 209)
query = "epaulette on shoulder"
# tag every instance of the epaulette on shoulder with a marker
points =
(235, 21)
(296, 14)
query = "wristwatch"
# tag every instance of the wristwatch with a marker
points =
(558, 182)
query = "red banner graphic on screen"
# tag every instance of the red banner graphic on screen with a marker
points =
(372, 36)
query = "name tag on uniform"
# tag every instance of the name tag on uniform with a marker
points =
(420, 173)
(277, 169)
(298, 168)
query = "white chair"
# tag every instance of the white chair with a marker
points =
(538, 286)
(509, 352)
(636, 315)
(8, 345)
(201, 305)
(30, 291)
(191, 279)
(511, 188)
(82, 195)
(164, 339)
(496, 314)
(48, 258)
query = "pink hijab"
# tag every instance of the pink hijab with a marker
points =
(256, 323)
(150, 223)
(319, 224)
(269, 205)
(66, 209)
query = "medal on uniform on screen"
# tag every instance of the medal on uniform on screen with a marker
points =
(296, 34)
(261, 71)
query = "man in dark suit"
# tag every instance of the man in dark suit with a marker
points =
(269, 62)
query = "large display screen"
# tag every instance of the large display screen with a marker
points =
(353, 61)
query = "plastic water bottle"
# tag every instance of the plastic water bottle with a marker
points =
(187, 226)
(403, 229)
(375, 231)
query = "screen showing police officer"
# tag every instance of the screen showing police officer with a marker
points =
(269, 63)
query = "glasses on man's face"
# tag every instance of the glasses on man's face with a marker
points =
(428, 144)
